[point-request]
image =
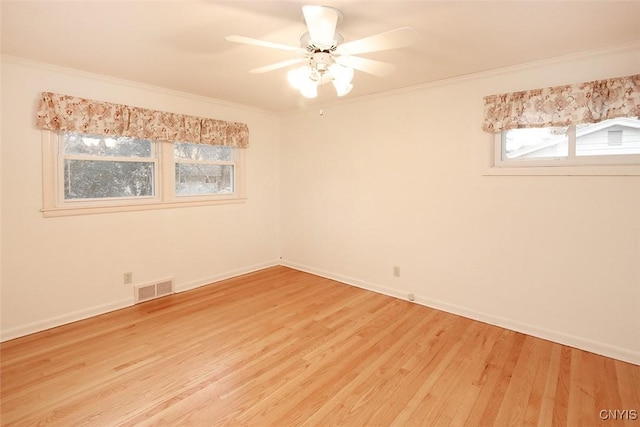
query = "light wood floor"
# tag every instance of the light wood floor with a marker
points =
(284, 348)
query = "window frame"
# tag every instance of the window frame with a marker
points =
(233, 162)
(612, 165)
(54, 204)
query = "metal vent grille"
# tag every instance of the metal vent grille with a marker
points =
(164, 288)
(146, 292)
(154, 290)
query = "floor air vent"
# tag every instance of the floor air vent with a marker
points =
(154, 290)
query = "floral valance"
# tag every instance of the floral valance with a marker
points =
(589, 102)
(73, 114)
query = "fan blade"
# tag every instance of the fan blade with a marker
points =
(370, 66)
(278, 65)
(321, 23)
(393, 39)
(264, 43)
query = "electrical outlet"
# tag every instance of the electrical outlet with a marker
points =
(396, 271)
(128, 278)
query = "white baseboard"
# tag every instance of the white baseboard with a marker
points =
(53, 322)
(346, 280)
(224, 276)
(56, 321)
(619, 353)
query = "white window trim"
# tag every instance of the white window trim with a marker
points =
(565, 166)
(54, 204)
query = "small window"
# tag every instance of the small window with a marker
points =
(614, 137)
(610, 142)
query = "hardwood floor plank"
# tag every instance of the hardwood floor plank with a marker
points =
(497, 384)
(435, 370)
(545, 417)
(516, 396)
(459, 409)
(561, 400)
(432, 410)
(383, 363)
(281, 347)
(541, 361)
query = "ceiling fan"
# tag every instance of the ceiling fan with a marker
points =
(325, 55)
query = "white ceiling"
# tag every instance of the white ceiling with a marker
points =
(180, 44)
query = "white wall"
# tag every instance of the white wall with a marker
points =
(398, 180)
(389, 180)
(56, 270)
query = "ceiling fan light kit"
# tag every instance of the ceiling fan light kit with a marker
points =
(308, 77)
(326, 57)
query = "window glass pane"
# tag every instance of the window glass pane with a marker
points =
(610, 137)
(102, 145)
(88, 179)
(200, 179)
(533, 143)
(205, 152)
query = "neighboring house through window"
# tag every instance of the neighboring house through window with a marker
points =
(589, 128)
(617, 140)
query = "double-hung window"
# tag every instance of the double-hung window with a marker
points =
(106, 168)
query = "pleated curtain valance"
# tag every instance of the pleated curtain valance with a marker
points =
(72, 114)
(589, 102)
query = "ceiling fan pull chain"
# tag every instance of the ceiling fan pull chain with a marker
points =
(320, 96)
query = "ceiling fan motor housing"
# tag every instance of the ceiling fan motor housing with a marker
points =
(321, 61)
(311, 46)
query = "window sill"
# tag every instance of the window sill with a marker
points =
(92, 210)
(608, 170)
